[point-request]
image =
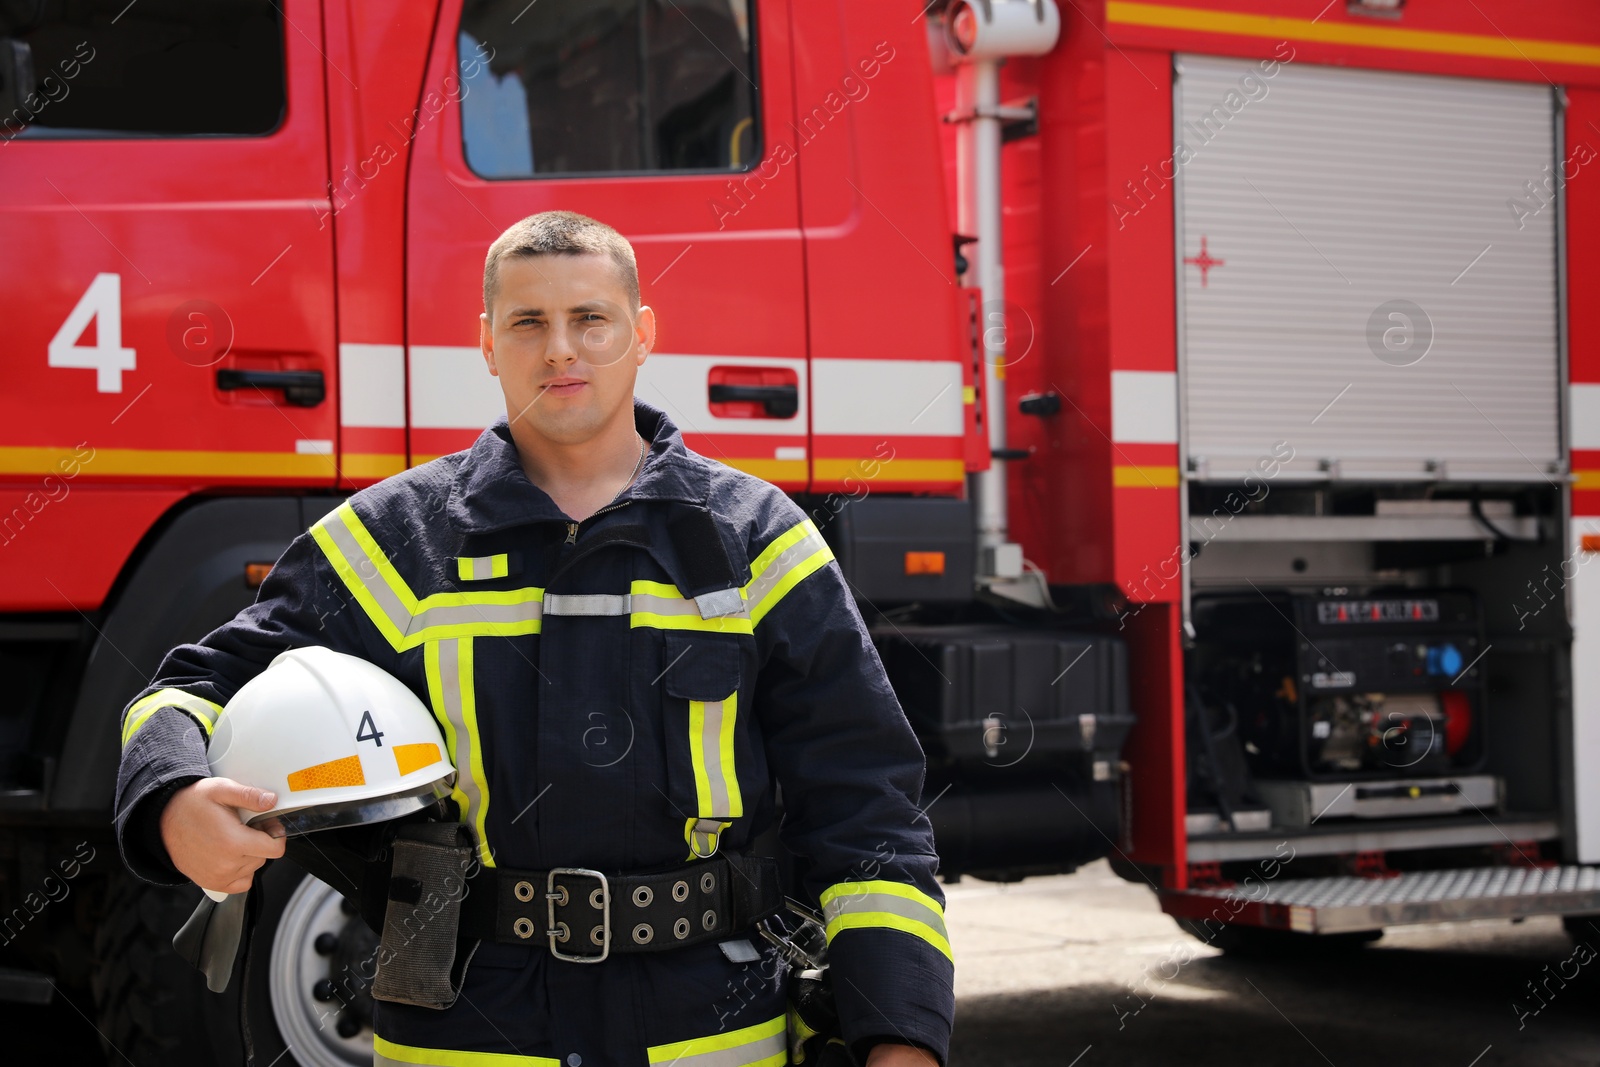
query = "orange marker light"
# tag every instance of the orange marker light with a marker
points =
(1590, 542)
(255, 574)
(924, 562)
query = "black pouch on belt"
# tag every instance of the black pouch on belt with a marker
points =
(421, 961)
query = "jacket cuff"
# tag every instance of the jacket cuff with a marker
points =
(168, 753)
(891, 986)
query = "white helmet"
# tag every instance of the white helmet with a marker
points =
(340, 741)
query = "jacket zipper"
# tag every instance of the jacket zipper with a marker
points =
(572, 527)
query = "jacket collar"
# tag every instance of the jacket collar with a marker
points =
(491, 491)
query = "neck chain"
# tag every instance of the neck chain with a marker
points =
(637, 467)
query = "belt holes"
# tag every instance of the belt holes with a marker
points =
(642, 896)
(643, 934)
(597, 900)
(559, 896)
(708, 882)
(709, 920)
(523, 928)
(524, 891)
(680, 929)
(562, 933)
(680, 890)
(597, 936)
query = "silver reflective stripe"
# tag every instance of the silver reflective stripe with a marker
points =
(762, 1045)
(473, 614)
(451, 688)
(586, 604)
(482, 568)
(710, 742)
(758, 1051)
(651, 604)
(883, 903)
(776, 571)
(365, 571)
(399, 614)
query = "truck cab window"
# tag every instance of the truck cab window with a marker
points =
(163, 68)
(607, 86)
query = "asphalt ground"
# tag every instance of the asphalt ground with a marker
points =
(1085, 971)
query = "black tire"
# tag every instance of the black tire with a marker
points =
(1255, 942)
(313, 1040)
(1581, 927)
(154, 1008)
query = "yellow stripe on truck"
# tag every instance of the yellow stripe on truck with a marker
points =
(172, 463)
(1400, 38)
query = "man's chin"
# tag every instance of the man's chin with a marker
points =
(572, 427)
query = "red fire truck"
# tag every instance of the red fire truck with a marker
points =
(1203, 398)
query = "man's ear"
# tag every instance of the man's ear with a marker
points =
(644, 331)
(486, 343)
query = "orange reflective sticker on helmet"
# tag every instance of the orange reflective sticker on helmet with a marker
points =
(337, 772)
(409, 758)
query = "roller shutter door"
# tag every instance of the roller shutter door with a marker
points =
(1365, 273)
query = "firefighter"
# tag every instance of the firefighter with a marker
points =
(630, 648)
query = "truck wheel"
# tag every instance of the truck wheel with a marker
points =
(1581, 927)
(1255, 942)
(154, 1009)
(311, 967)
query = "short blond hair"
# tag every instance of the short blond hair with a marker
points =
(561, 233)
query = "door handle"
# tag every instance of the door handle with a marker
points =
(302, 388)
(779, 401)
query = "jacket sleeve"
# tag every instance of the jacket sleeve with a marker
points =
(165, 727)
(851, 773)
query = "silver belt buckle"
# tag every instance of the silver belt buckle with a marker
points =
(550, 899)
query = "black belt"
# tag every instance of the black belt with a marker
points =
(584, 915)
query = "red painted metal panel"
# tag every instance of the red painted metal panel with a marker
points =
(1155, 746)
(63, 540)
(880, 277)
(210, 254)
(1506, 39)
(376, 54)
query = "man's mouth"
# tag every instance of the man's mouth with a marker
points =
(565, 386)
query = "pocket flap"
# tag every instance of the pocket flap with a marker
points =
(702, 666)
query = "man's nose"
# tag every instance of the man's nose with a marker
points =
(560, 350)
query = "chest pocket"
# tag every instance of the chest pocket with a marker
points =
(706, 733)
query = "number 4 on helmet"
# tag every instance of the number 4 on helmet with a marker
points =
(341, 742)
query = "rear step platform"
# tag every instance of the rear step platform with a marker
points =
(1348, 903)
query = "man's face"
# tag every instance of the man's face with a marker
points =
(566, 344)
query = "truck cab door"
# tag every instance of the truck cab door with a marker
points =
(656, 118)
(167, 274)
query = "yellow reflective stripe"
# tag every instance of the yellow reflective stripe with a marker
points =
(449, 666)
(199, 709)
(727, 624)
(762, 1045)
(885, 905)
(711, 730)
(394, 609)
(385, 1053)
(662, 607)
(793, 554)
(481, 568)
(779, 545)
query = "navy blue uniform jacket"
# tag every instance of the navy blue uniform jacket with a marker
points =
(598, 718)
